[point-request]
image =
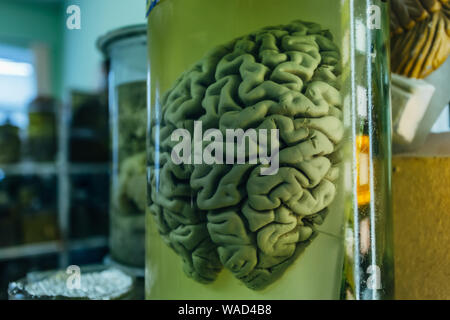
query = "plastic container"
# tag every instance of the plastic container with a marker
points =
(126, 49)
(268, 145)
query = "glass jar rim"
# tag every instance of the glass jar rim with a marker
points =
(105, 41)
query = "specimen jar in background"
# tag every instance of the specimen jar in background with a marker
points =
(256, 117)
(9, 143)
(126, 50)
(41, 132)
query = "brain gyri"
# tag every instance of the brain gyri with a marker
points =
(230, 216)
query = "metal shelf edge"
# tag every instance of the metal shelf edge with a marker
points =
(52, 247)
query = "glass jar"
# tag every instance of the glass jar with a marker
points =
(126, 50)
(369, 263)
(41, 135)
(9, 143)
(260, 114)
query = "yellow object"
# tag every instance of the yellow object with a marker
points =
(421, 36)
(421, 191)
(363, 169)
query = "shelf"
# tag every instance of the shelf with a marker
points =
(30, 250)
(29, 168)
(63, 170)
(89, 243)
(52, 247)
(42, 169)
(89, 168)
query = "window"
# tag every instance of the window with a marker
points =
(17, 84)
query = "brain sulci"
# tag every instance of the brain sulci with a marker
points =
(282, 77)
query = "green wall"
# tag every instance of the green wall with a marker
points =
(25, 22)
(82, 60)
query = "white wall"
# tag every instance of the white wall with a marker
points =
(82, 60)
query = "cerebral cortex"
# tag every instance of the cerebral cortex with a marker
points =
(231, 217)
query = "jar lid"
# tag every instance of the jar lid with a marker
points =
(118, 34)
(150, 5)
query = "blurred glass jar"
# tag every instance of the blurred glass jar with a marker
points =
(89, 128)
(222, 225)
(126, 49)
(41, 138)
(9, 144)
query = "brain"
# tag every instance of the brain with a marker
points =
(230, 216)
